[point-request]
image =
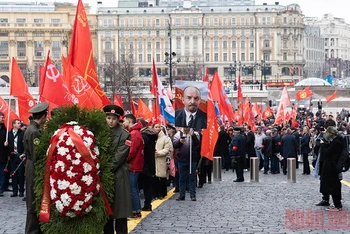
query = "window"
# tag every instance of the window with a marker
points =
(242, 21)
(268, 20)
(38, 21)
(131, 22)
(108, 45)
(55, 21)
(122, 22)
(157, 58)
(4, 48)
(149, 45)
(233, 21)
(139, 22)
(207, 21)
(178, 22)
(55, 34)
(242, 56)
(21, 48)
(4, 20)
(158, 45)
(267, 56)
(224, 44)
(285, 56)
(266, 43)
(224, 21)
(4, 34)
(207, 57)
(234, 56)
(216, 21)
(4, 67)
(284, 44)
(187, 21)
(178, 44)
(21, 34)
(149, 58)
(56, 49)
(108, 58)
(216, 44)
(140, 45)
(20, 20)
(251, 56)
(225, 57)
(284, 20)
(251, 44)
(39, 48)
(251, 20)
(233, 44)
(263, 20)
(149, 23)
(242, 44)
(195, 21)
(140, 58)
(216, 57)
(157, 33)
(122, 57)
(38, 34)
(157, 22)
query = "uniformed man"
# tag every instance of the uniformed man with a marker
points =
(238, 150)
(31, 139)
(121, 143)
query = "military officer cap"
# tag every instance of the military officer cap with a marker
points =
(113, 110)
(40, 107)
(237, 129)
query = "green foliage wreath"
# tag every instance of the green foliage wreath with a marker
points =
(94, 221)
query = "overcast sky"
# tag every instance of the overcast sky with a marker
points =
(310, 8)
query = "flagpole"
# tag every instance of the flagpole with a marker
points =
(8, 118)
(191, 152)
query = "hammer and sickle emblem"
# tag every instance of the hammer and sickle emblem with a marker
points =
(79, 84)
(303, 95)
(52, 73)
(31, 103)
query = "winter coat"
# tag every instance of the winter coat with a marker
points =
(238, 146)
(149, 139)
(289, 146)
(268, 146)
(121, 205)
(305, 144)
(222, 144)
(250, 143)
(330, 183)
(3, 149)
(136, 157)
(164, 147)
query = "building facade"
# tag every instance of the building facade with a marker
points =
(314, 52)
(266, 38)
(29, 31)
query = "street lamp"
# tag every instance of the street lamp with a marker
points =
(263, 66)
(29, 75)
(65, 41)
(232, 70)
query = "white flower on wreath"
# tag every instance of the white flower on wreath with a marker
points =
(71, 174)
(75, 188)
(88, 209)
(66, 199)
(53, 193)
(61, 138)
(69, 157)
(69, 142)
(87, 179)
(78, 130)
(55, 133)
(71, 214)
(52, 181)
(97, 152)
(76, 161)
(62, 184)
(98, 187)
(78, 155)
(98, 166)
(89, 133)
(59, 164)
(72, 123)
(88, 141)
(59, 206)
(62, 151)
(88, 196)
(87, 167)
(77, 205)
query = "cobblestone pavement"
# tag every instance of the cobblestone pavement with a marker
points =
(228, 207)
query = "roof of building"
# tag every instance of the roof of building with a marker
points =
(313, 81)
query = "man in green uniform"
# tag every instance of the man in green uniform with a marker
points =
(121, 143)
(31, 139)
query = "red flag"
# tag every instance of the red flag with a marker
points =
(81, 54)
(331, 97)
(79, 88)
(302, 94)
(294, 112)
(239, 88)
(206, 77)
(4, 109)
(211, 134)
(291, 71)
(295, 124)
(132, 106)
(118, 101)
(267, 113)
(19, 88)
(287, 116)
(285, 100)
(280, 115)
(143, 110)
(53, 84)
(154, 88)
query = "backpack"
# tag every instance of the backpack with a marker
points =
(343, 163)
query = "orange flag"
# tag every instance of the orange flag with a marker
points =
(143, 110)
(132, 106)
(305, 93)
(211, 134)
(52, 84)
(81, 54)
(19, 88)
(267, 113)
(79, 87)
(280, 115)
(4, 109)
(331, 97)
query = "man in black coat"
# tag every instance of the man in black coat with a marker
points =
(330, 122)
(267, 149)
(297, 138)
(149, 137)
(16, 149)
(289, 148)
(250, 145)
(238, 150)
(3, 153)
(191, 116)
(221, 147)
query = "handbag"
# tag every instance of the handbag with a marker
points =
(279, 156)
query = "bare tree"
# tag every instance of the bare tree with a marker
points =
(191, 68)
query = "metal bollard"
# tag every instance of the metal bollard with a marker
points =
(217, 168)
(291, 170)
(254, 169)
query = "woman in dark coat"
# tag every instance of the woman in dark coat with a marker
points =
(331, 149)
(305, 150)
